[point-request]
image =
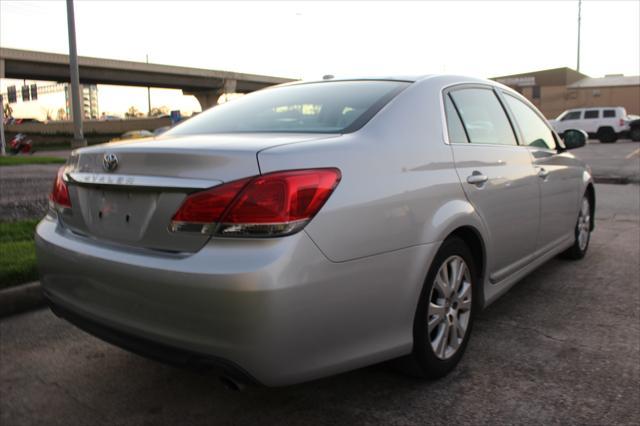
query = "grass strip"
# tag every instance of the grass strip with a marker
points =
(22, 160)
(17, 253)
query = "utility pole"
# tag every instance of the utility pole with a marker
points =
(78, 136)
(148, 95)
(579, 24)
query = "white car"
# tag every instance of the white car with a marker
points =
(606, 124)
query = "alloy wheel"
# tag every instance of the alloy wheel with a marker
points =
(584, 224)
(449, 308)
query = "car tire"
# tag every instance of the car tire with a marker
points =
(634, 134)
(440, 319)
(606, 135)
(582, 231)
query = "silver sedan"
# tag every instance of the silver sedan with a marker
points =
(316, 227)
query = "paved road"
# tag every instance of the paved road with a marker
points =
(562, 347)
(24, 190)
(60, 153)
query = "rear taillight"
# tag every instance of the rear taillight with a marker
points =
(60, 193)
(270, 205)
(621, 122)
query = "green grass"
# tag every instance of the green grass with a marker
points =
(21, 160)
(17, 253)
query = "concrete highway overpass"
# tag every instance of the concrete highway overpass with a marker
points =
(205, 85)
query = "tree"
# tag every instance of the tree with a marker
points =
(159, 111)
(132, 112)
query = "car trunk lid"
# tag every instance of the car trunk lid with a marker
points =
(127, 192)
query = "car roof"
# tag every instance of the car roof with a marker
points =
(446, 78)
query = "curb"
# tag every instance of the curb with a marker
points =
(24, 297)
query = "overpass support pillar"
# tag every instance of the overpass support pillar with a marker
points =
(209, 98)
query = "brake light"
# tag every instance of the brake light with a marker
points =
(621, 122)
(270, 205)
(60, 193)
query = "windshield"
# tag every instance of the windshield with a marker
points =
(326, 107)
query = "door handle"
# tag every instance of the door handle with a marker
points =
(477, 178)
(542, 173)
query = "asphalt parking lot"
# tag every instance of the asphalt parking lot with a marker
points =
(562, 347)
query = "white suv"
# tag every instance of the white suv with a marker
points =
(604, 123)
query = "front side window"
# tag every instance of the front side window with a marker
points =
(571, 115)
(592, 113)
(609, 113)
(483, 116)
(326, 107)
(534, 131)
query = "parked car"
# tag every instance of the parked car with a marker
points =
(313, 228)
(606, 124)
(634, 128)
(134, 134)
(160, 130)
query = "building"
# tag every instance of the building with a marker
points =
(559, 89)
(89, 93)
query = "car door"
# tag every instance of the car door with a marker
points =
(570, 120)
(497, 175)
(559, 174)
(591, 121)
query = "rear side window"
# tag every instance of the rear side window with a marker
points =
(592, 113)
(326, 107)
(573, 115)
(534, 130)
(483, 117)
(454, 125)
(609, 113)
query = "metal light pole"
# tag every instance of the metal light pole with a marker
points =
(148, 95)
(579, 24)
(78, 136)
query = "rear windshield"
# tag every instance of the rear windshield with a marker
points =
(326, 107)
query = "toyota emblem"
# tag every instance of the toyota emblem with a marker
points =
(110, 162)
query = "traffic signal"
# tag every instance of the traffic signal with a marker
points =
(25, 93)
(34, 92)
(12, 97)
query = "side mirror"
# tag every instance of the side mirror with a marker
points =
(574, 138)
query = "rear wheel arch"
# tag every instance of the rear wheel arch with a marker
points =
(590, 192)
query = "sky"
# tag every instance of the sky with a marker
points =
(311, 39)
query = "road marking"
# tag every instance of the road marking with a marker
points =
(631, 154)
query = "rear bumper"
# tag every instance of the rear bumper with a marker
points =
(275, 309)
(148, 348)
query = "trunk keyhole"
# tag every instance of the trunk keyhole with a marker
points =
(100, 215)
(127, 217)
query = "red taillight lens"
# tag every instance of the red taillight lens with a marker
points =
(208, 206)
(274, 204)
(622, 122)
(60, 193)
